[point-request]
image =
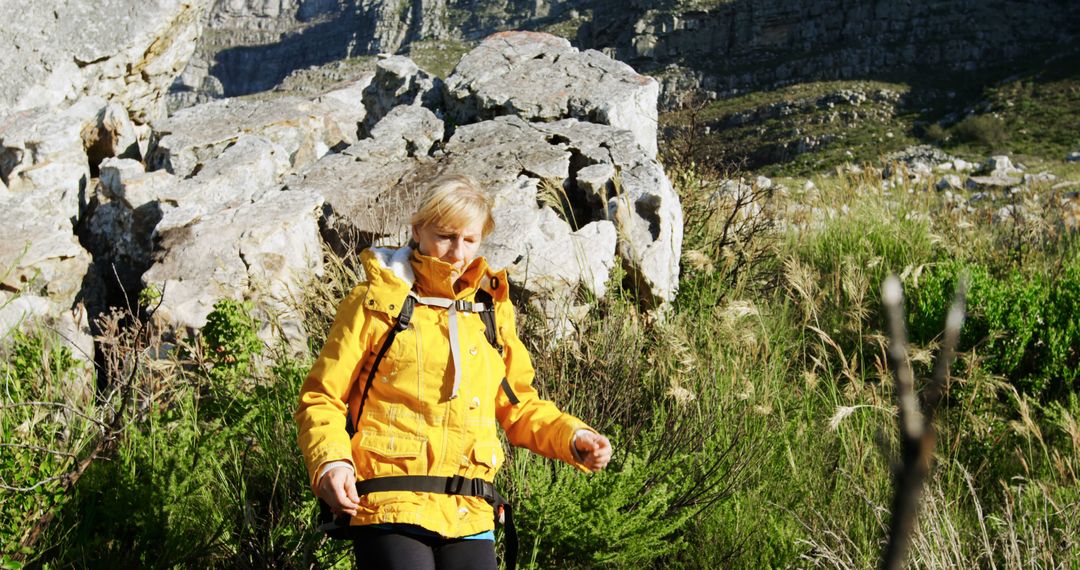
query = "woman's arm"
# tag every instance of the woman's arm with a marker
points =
(320, 417)
(537, 424)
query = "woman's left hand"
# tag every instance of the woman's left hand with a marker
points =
(594, 449)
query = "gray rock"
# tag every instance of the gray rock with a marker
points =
(51, 151)
(383, 191)
(1009, 213)
(132, 206)
(301, 129)
(542, 78)
(556, 187)
(962, 165)
(991, 183)
(999, 167)
(39, 252)
(1040, 178)
(125, 51)
(398, 81)
(949, 182)
(409, 131)
(263, 250)
(345, 106)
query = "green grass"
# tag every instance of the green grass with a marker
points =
(799, 130)
(1038, 112)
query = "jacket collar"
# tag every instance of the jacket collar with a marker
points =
(393, 273)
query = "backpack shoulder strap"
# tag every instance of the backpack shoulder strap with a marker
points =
(400, 324)
(491, 332)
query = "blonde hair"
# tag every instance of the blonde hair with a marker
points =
(454, 201)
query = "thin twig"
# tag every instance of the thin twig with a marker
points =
(35, 485)
(38, 448)
(60, 405)
(917, 437)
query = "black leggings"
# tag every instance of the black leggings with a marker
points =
(381, 549)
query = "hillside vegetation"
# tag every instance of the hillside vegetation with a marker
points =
(806, 128)
(754, 423)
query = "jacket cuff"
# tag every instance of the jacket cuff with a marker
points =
(331, 465)
(574, 453)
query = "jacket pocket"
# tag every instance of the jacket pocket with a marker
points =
(488, 457)
(391, 454)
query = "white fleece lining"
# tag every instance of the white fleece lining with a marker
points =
(398, 261)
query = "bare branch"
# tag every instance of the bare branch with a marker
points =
(59, 405)
(917, 437)
(38, 448)
(44, 481)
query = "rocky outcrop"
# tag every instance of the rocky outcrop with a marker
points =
(572, 198)
(253, 45)
(54, 152)
(265, 250)
(541, 77)
(125, 51)
(236, 198)
(302, 131)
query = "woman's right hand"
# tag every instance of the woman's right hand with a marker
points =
(338, 488)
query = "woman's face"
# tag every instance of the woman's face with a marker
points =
(456, 246)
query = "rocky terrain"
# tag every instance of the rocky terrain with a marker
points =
(107, 195)
(106, 198)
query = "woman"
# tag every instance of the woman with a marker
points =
(428, 412)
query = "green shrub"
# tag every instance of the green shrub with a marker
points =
(229, 340)
(46, 422)
(622, 517)
(1025, 324)
(985, 130)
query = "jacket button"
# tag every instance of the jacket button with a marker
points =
(464, 459)
(475, 403)
(472, 351)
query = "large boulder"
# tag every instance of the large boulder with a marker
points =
(570, 199)
(265, 250)
(398, 81)
(39, 253)
(125, 51)
(131, 205)
(302, 129)
(540, 77)
(54, 152)
(590, 173)
(345, 105)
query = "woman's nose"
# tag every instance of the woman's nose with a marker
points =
(457, 249)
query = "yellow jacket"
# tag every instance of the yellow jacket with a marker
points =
(411, 425)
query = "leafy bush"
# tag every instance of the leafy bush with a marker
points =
(1025, 324)
(45, 423)
(230, 340)
(985, 130)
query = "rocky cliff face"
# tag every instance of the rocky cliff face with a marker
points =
(236, 198)
(713, 46)
(735, 46)
(252, 45)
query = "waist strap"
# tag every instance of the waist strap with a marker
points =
(456, 485)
